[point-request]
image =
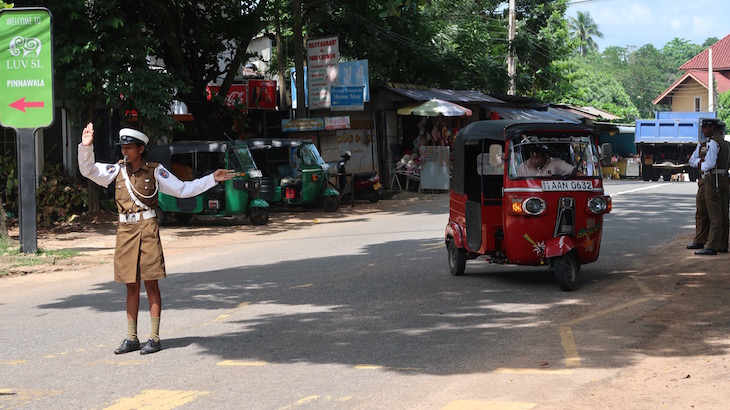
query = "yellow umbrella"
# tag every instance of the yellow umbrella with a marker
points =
(434, 108)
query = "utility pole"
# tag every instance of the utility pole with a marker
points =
(710, 83)
(511, 67)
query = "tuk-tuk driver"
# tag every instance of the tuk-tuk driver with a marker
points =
(541, 164)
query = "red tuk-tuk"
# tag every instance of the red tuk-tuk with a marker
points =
(526, 193)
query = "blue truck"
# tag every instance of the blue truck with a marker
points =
(666, 143)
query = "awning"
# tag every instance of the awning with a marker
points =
(514, 113)
(463, 96)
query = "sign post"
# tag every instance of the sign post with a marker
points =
(26, 99)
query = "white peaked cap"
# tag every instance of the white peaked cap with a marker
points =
(126, 134)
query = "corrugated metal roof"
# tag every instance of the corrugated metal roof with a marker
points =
(720, 57)
(456, 96)
(513, 113)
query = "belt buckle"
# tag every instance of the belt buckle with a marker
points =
(131, 218)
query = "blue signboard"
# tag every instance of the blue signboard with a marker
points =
(355, 74)
(347, 99)
(293, 77)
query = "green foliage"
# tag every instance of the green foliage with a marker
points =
(583, 28)
(58, 196)
(588, 84)
(723, 107)
(8, 174)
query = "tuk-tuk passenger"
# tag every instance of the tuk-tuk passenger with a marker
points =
(540, 163)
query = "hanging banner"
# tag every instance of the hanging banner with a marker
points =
(322, 68)
(302, 124)
(237, 94)
(262, 94)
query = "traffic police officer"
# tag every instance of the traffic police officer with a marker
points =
(138, 254)
(711, 215)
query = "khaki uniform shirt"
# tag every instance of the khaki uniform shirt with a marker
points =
(138, 253)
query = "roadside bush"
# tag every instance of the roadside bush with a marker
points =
(58, 196)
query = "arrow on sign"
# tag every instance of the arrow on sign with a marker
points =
(21, 105)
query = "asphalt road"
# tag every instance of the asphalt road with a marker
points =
(357, 311)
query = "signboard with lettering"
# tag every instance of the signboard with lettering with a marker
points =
(322, 68)
(26, 68)
(347, 99)
(237, 95)
(355, 74)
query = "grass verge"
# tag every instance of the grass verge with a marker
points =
(12, 257)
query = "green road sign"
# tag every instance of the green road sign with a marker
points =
(26, 68)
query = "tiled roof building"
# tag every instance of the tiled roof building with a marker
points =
(690, 92)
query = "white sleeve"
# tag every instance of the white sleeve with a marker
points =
(694, 160)
(100, 173)
(711, 156)
(171, 185)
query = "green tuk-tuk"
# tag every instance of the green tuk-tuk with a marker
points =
(293, 173)
(188, 160)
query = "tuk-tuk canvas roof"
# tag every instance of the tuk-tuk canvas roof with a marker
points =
(504, 129)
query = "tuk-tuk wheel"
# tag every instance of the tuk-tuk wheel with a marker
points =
(161, 217)
(258, 216)
(566, 269)
(457, 259)
(183, 218)
(330, 203)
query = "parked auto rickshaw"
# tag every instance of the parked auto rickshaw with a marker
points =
(192, 159)
(526, 193)
(294, 173)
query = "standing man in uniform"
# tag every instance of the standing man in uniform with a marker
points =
(711, 215)
(138, 254)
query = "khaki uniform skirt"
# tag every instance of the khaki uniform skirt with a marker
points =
(138, 254)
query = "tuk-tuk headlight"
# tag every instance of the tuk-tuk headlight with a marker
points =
(597, 204)
(255, 173)
(534, 206)
(530, 206)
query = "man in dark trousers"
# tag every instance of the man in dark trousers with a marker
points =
(711, 216)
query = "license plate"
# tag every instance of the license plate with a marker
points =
(377, 186)
(213, 204)
(567, 185)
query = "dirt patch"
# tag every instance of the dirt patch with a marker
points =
(684, 360)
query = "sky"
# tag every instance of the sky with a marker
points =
(636, 23)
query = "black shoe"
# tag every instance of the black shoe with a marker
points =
(695, 245)
(150, 347)
(127, 346)
(722, 250)
(706, 251)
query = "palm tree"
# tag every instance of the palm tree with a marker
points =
(583, 28)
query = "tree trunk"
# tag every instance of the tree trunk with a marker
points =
(299, 57)
(283, 103)
(3, 224)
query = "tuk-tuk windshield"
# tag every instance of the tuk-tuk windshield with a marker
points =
(310, 156)
(241, 159)
(549, 157)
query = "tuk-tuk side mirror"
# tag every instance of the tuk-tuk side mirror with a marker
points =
(495, 155)
(606, 153)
